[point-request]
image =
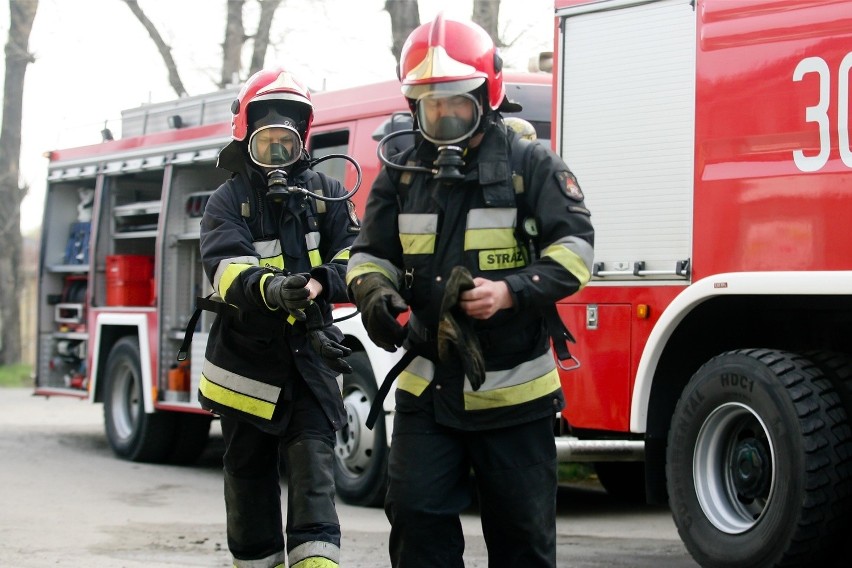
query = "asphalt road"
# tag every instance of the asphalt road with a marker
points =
(66, 501)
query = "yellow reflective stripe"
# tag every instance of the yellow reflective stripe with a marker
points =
(513, 395)
(416, 376)
(231, 272)
(411, 383)
(570, 260)
(361, 264)
(239, 383)
(235, 400)
(417, 232)
(417, 244)
(314, 554)
(342, 255)
(263, 280)
(475, 239)
(500, 259)
(315, 257)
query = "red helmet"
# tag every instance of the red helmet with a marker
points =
(449, 51)
(274, 84)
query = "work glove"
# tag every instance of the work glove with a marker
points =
(456, 332)
(290, 293)
(332, 352)
(379, 304)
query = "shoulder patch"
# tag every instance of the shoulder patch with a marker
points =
(569, 186)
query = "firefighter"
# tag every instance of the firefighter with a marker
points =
(276, 258)
(461, 263)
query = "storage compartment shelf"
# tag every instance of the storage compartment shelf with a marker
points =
(75, 268)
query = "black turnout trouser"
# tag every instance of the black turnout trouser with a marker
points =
(429, 486)
(253, 490)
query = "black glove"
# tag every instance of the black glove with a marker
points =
(456, 331)
(289, 292)
(331, 351)
(380, 304)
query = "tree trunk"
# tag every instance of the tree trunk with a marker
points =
(22, 13)
(261, 38)
(162, 47)
(486, 13)
(232, 48)
(405, 17)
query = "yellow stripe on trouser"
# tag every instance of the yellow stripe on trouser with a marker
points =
(235, 400)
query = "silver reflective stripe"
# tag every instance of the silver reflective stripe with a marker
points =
(418, 223)
(314, 549)
(239, 383)
(268, 249)
(312, 239)
(362, 263)
(492, 218)
(277, 559)
(574, 254)
(224, 264)
(525, 372)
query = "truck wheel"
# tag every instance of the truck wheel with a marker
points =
(755, 465)
(132, 434)
(361, 454)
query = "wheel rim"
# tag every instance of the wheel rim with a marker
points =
(734, 468)
(125, 402)
(355, 442)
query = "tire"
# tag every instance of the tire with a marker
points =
(624, 481)
(361, 454)
(755, 462)
(132, 434)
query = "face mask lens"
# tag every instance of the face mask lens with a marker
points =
(275, 146)
(447, 118)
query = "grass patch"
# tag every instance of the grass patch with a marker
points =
(19, 375)
(574, 472)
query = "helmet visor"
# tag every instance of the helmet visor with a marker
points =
(447, 118)
(275, 146)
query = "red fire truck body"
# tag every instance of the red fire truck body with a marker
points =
(711, 140)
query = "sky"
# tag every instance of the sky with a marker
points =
(94, 59)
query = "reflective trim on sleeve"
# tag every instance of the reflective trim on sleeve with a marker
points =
(418, 232)
(362, 263)
(575, 255)
(228, 270)
(314, 554)
(528, 381)
(416, 376)
(342, 256)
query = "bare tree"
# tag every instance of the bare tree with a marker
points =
(22, 13)
(165, 50)
(261, 38)
(486, 13)
(405, 17)
(232, 46)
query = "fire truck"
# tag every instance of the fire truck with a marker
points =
(120, 273)
(711, 139)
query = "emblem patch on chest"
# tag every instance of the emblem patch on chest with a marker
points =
(569, 186)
